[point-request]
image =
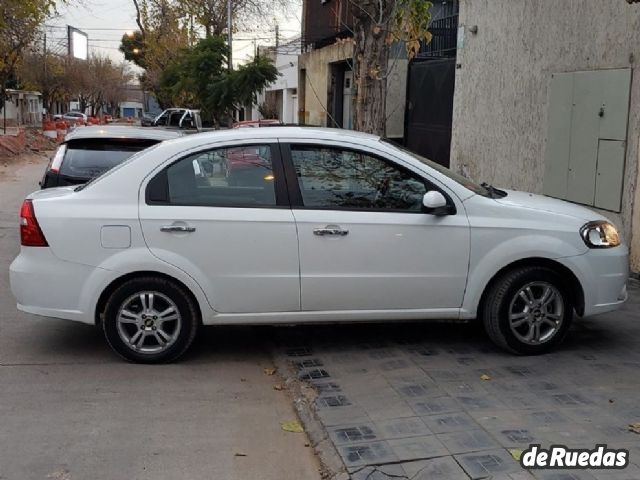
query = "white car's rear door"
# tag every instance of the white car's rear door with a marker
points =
(223, 216)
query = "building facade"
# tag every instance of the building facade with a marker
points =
(547, 100)
(22, 108)
(326, 85)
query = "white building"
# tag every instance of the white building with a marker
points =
(282, 95)
(23, 107)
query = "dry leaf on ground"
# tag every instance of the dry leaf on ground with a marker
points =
(292, 426)
(635, 427)
(484, 376)
(269, 371)
(516, 453)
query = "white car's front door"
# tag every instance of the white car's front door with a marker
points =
(223, 217)
(365, 242)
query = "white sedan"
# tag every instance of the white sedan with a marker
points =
(299, 225)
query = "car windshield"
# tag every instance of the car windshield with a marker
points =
(92, 157)
(456, 177)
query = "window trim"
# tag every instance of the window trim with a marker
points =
(295, 194)
(279, 181)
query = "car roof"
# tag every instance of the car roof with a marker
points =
(121, 131)
(273, 132)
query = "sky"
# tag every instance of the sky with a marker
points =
(105, 21)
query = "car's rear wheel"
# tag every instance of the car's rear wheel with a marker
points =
(528, 310)
(150, 320)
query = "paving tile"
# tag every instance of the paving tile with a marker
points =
(468, 441)
(379, 472)
(416, 448)
(402, 427)
(563, 475)
(342, 416)
(517, 437)
(488, 463)
(353, 433)
(450, 422)
(444, 468)
(436, 405)
(478, 402)
(374, 453)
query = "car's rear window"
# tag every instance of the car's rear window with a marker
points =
(92, 157)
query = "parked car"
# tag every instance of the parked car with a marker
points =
(90, 151)
(77, 117)
(342, 227)
(181, 118)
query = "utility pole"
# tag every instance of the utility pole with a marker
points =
(277, 36)
(45, 101)
(229, 27)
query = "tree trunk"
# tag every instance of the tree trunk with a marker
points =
(370, 63)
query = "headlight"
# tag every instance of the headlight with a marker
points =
(600, 234)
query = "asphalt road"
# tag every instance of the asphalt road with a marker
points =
(70, 409)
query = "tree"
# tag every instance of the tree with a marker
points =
(200, 78)
(97, 83)
(378, 24)
(132, 46)
(45, 73)
(19, 23)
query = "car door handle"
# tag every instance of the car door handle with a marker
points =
(330, 230)
(177, 228)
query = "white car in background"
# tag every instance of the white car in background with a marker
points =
(78, 117)
(319, 225)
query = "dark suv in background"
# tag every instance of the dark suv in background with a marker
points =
(90, 151)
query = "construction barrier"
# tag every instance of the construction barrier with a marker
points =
(61, 130)
(49, 129)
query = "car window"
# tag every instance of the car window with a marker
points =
(337, 178)
(223, 177)
(90, 158)
(460, 179)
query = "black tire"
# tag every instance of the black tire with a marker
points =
(184, 334)
(497, 304)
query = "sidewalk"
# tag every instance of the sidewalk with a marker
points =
(434, 401)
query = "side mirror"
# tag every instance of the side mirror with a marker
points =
(435, 203)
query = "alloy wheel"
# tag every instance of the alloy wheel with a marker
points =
(536, 313)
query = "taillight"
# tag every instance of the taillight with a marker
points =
(30, 233)
(56, 161)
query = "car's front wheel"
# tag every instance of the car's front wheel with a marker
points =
(150, 320)
(528, 310)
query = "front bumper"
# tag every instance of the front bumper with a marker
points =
(603, 274)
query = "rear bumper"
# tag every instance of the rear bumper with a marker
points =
(603, 274)
(46, 285)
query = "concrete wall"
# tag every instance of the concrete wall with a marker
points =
(396, 96)
(502, 86)
(316, 80)
(317, 77)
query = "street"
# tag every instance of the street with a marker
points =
(71, 409)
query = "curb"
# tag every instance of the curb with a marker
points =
(303, 396)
